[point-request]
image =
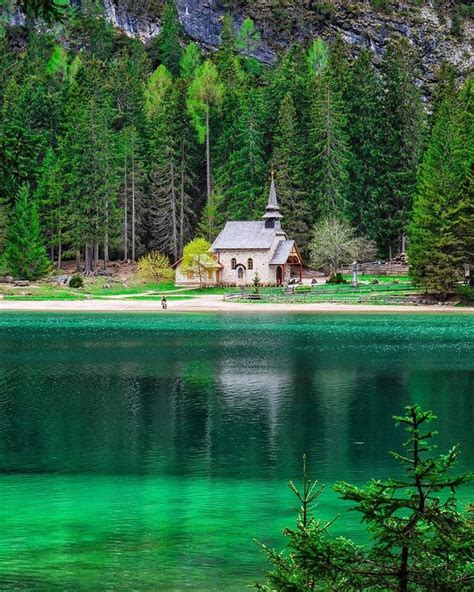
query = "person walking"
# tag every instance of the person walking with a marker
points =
(164, 303)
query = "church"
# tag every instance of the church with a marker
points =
(244, 249)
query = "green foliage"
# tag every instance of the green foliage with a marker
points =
(405, 128)
(198, 260)
(441, 232)
(154, 267)
(419, 540)
(329, 152)
(190, 61)
(49, 10)
(288, 165)
(248, 37)
(25, 255)
(76, 281)
(336, 278)
(167, 45)
(334, 243)
(110, 145)
(256, 283)
(205, 91)
(465, 293)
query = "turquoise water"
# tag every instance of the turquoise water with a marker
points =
(142, 452)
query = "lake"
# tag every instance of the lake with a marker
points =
(147, 452)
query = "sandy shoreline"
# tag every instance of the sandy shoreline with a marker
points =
(215, 304)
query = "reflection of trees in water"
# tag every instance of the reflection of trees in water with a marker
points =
(245, 405)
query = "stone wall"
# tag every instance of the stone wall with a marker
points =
(261, 260)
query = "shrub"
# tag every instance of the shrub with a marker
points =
(336, 278)
(465, 294)
(76, 281)
(256, 284)
(155, 267)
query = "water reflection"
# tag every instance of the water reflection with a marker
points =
(141, 435)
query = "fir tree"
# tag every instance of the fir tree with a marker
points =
(50, 199)
(287, 163)
(441, 231)
(167, 45)
(366, 131)
(404, 139)
(241, 176)
(25, 254)
(329, 154)
(419, 538)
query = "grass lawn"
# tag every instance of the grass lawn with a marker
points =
(388, 287)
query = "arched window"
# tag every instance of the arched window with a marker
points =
(233, 263)
(240, 273)
(250, 264)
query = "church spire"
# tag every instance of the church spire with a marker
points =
(272, 211)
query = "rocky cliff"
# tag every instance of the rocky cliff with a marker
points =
(431, 29)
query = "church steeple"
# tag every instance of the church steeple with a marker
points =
(272, 214)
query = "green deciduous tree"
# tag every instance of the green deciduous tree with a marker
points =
(248, 37)
(197, 259)
(25, 253)
(154, 267)
(205, 94)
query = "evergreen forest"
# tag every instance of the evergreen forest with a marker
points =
(110, 148)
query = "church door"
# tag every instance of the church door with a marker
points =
(279, 274)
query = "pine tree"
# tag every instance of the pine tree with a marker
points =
(287, 163)
(441, 231)
(167, 45)
(419, 539)
(366, 130)
(88, 164)
(404, 140)
(25, 254)
(21, 144)
(329, 154)
(170, 176)
(50, 199)
(241, 176)
(163, 199)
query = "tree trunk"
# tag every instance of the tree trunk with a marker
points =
(133, 200)
(106, 234)
(174, 221)
(181, 206)
(88, 256)
(78, 261)
(60, 253)
(210, 214)
(125, 221)
(403, 571)
(96, 256)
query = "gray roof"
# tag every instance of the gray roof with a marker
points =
(272, 210)
(282, 252)
(245, 235)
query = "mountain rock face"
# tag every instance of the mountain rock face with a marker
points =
(430, 29)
